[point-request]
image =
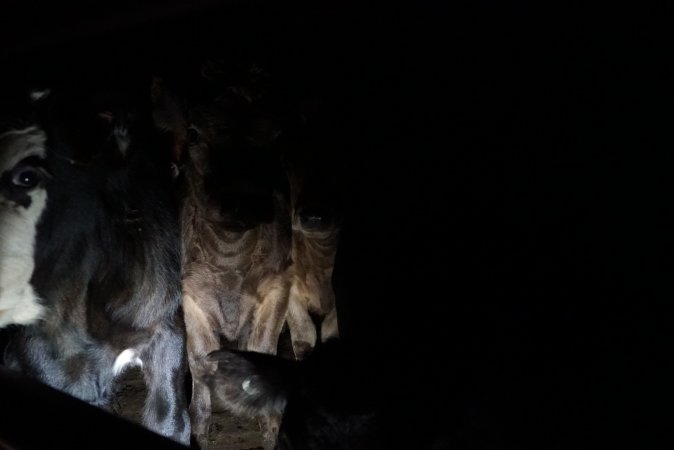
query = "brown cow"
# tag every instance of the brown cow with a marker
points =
(235, 234)
(312, 313)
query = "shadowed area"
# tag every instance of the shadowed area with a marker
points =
(505, 175)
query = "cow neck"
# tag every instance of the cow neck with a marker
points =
(212, 240)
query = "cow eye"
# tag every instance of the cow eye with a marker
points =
(192, 135)
(26, 177)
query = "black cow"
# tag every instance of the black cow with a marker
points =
(334, 399)
(95, 222)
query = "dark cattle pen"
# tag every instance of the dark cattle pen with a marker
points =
(442, 225)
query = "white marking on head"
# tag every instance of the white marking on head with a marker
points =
(19, 303)
(121, 133)
(39, 94)
(247, 388)
(128, 358)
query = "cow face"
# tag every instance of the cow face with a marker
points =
(229, 145)
(23, 198)
(224, 139)
(233, 160)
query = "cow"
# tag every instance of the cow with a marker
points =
(91, 250)
(316, 223)
(235, 230)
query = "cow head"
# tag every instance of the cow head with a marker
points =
(325, 402)
(55, 147)
(224, 140)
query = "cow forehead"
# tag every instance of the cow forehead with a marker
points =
(16, 145)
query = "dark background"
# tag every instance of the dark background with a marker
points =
(507, 173)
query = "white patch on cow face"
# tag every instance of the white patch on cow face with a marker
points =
(19, 303)
(128, 358)
(39, 94)
(247, 388)
(121, 133)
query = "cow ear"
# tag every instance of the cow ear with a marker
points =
(251, 383)
(168, 116)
